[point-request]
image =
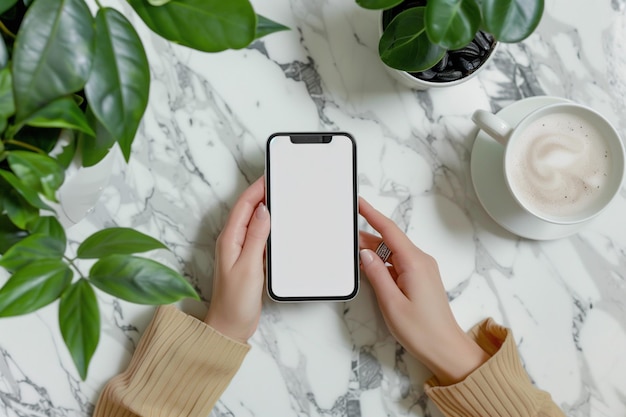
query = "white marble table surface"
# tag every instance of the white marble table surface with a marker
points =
(202, 142)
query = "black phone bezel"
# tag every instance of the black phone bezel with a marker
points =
(313, 137)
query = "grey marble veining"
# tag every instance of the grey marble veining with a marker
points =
(202, 142)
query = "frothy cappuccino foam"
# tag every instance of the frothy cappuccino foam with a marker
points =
(559, 165)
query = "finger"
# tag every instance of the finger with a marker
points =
(233, 235)
(368, 240)
(394, 238)
(256, 236)
(387, 292)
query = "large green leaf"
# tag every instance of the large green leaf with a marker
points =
(217, 24)
(48, 226)
(79, 320)
(37, 172)
(452, 23)
(32, 250)
(43, 139)
(22, 189)
(265, 26)
(95, 148)
(139, 280)
(62, 112)
(118, 87)
(7, 104)
(378, 4)
(18, 210)
(6, 5)
(404, 44)
(53, 53)
(511, 20)
(34, 286)
(9, 234)
(117, 240)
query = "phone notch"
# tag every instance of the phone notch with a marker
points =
(311, 138)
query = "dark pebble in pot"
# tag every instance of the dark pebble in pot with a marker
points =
(470, 51)
(450, 75)
(461, 62)
(425, 75)
(467, 65)
(482, 41)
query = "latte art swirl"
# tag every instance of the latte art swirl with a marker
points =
(559, 165)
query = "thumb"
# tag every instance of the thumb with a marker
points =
(384, 286)
(257, 234)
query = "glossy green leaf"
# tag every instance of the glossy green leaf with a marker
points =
(10, 234)
(22, 189)
(7, 104)
(158, 2)
(217, 24)
(139, 280)
(17, 209)
(37, 172)
(511, 20)
(79, 320)
(62, 112)
(404, 44)
(117, 240)
(6, 5)
(117, 89)
(53, 53)
(94, 148)
(32, 250)
(34, 286)
(452, 23)
(378, 4)
(48, 226)
(43, 139)
(265, 26)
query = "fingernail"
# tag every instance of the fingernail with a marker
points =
(261, 211)
(366, 256)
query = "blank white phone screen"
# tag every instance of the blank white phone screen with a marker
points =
(312, 202)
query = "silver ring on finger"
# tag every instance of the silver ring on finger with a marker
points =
(383, 252)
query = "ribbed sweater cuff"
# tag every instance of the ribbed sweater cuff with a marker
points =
(500, 387)
(181, 367)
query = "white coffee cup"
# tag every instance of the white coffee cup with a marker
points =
(563, 163)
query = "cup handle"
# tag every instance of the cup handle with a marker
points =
(492, 125)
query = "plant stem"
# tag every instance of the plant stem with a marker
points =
(6, 30)
(98, 4)
(73, 265)
(24, 145)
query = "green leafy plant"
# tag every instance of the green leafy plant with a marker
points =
(418, 37)
(67, 73)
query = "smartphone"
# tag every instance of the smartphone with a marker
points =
(311, 194)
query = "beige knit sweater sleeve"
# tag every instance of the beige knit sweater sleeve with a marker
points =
(180, 368)
(498, 388)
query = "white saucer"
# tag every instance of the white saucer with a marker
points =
(488, 178)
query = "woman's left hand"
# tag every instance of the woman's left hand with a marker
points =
(239, 272)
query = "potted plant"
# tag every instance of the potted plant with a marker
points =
(73, 85)
(435, 43)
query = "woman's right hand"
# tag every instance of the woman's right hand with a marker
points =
(414, 302)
